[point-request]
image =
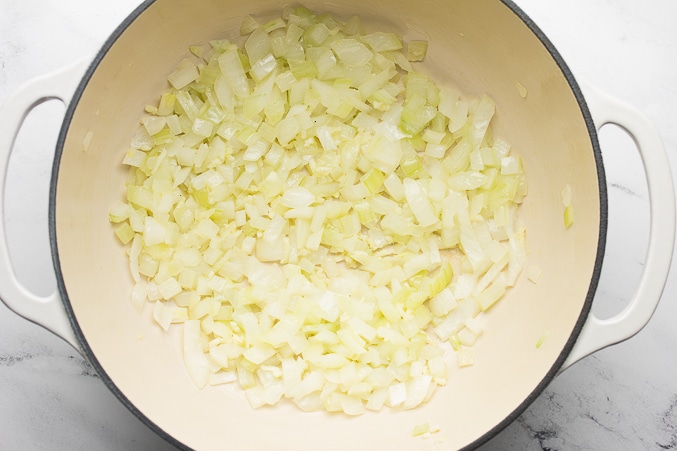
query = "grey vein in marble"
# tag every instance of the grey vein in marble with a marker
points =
(624, 189)
(669, 425)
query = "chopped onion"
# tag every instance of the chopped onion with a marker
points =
(521, 89)
(417, 50)
(568, 207)
(568, 216)
(185, 73)
(325, 223)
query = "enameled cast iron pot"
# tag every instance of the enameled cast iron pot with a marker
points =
(481, 46)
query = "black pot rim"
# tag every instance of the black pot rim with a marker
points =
(592, 130)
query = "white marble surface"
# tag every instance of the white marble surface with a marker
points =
(621, 398)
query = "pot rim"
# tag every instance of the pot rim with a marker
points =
(535, 393)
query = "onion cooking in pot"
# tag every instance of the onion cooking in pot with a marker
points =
(327, 224)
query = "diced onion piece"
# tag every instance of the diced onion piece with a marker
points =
(566, 195)
(492, 294)
(421, 429)
(466, 357)
(521, 89)
(316, 34)
(120, 212)
(124, 233)
(248, 25)
(541, 340)
(482, 118)
(568, 207)
(297, 197)
(382, 42)
(233, 73)
(87, 140)
(419, 202)
(417, 50)
(568, 216)
(185, 73)
(351, 52)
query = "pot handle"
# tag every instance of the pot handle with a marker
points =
(600, 333)
(47, 311)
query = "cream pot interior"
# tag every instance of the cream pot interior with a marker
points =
(481, 47)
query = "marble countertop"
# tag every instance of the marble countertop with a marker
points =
(622, 398)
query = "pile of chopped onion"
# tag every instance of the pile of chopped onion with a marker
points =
(326, 224)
